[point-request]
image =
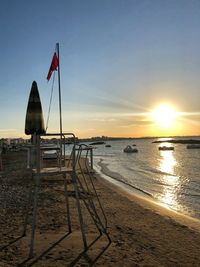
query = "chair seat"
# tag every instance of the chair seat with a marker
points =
(53, 171)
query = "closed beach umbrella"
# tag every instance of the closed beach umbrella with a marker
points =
(34, 116)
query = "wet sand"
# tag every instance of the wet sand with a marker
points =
(142, 233)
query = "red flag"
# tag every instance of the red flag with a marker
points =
(54, 65)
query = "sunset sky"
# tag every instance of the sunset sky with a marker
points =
(126, 65)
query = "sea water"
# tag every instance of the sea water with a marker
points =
(171, 177)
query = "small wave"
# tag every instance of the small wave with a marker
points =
(111, 155)
(191, 195)
(147, 170)
(116, 176)
(146, 175)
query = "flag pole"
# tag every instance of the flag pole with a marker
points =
(60, 104)
(60, 108)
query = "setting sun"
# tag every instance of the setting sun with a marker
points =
(164, 116)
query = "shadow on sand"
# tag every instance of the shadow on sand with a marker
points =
(81, 255)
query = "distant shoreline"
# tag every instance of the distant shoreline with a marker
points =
(181, 141)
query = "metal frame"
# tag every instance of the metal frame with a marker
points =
(86, 187)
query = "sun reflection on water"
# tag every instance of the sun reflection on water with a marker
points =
(172, 182)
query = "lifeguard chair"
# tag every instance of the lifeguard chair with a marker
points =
(68, 167)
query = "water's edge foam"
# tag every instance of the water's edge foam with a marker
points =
(116, 177)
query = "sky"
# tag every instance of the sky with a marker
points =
(119, 60)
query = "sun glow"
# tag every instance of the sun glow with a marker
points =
(164, 116)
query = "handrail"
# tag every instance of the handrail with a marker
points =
(74, 143)
(62, 157)
(84, 147)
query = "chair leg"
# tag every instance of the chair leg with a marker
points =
(26, 212)
(67, 204)
(35, 204)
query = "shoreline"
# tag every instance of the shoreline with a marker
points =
(147, 202)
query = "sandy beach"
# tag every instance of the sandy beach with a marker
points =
(142, 233)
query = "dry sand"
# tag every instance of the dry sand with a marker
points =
(142, 233)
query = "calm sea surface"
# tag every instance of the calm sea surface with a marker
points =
(170, 177)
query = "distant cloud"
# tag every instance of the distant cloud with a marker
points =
(137, 123)
(102, 99)
(102, 119)
(190, 121)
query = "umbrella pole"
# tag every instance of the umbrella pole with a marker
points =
(36, 191)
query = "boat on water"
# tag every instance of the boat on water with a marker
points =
(193, 146)
(166, 148)
(107, 145)
(97, 143)
(129, 149)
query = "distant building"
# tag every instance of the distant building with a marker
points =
(4, 142)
